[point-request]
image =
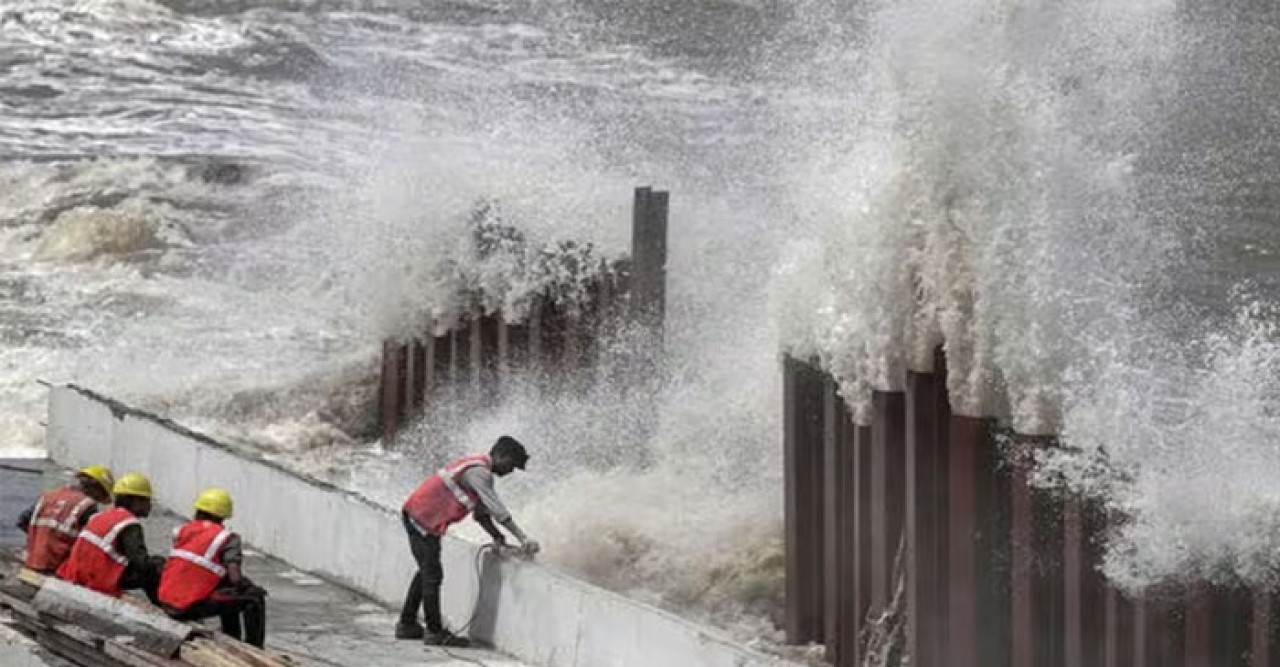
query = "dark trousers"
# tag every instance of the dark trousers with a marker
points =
(424, 589)
(143, 577)
(229, 606)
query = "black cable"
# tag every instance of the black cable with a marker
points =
(29, 471)
(475, 606)
(463, 658)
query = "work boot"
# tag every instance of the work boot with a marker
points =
(446, 638)
(412, 630)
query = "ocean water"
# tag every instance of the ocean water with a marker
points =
(217, 209)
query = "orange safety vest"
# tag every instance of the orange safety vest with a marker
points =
(442, 500)
(55, 523)
(195, 566)
(95, 562)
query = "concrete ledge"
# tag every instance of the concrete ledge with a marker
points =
(528, 610)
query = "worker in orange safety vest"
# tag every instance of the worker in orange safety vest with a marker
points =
(204, 577)
(57, 517)
(445, 498)
(110, 554)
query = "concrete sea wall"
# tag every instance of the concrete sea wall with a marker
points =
(528, 610)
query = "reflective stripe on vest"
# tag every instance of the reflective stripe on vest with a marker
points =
(205, 560)
(70, 526)
(442, 499)
(450, 483)
(54, 526)
(107, 543)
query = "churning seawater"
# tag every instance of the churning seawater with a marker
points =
(218, 208)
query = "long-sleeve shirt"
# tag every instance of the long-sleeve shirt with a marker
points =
(133, 545)
(479, 480)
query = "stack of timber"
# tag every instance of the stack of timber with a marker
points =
(92, 630)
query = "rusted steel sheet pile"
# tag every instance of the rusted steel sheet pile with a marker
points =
(561, 329)
(993, 572)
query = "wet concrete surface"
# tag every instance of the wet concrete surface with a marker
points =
(313, 621)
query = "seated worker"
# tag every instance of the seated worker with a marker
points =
(110, 554)
(203, 576)
(54, 522)
(445, 498)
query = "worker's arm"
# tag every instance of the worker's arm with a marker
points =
(480, 481)
(24, 519)
(486, 522)
(133, 546)
(86, 515)
(232, 557)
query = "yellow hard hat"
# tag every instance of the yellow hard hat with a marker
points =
(216, 502)
(99, 474)
(133, 484)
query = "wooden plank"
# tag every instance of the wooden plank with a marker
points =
(250, 655)
(152, 631)
(31, 578)
(125, 652)
(77, 645)
(204, 653)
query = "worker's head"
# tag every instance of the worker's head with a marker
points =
(133, 492)
(96, 482)
(213, 505)
(507, 455)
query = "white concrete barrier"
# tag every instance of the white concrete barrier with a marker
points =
(532, 612)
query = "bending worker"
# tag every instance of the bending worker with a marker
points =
(54, 522)
(204, 575)
(445, 498)
(110, 554)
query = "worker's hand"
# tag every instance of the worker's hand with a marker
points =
(531, 547)
(248, 588)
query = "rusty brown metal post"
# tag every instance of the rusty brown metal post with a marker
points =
(1262, 630)
(392, 391)
(835, 454)
(1022, 589)
(1198, 632)
(460, 357)
(862, 534)
(533, 349)
(924, 519)
(1073, 564)
(888, 491)
(977, 627)
(430, 374)
(415, 379)
(505, 361)
(1119, 649)
(802, 443)
(1158, 629)
(848, 479)
(649, 258)
(485, 335)
(442, 366)
(995, 559)
(475, 354)
(1232, 626)
(1038, 597)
